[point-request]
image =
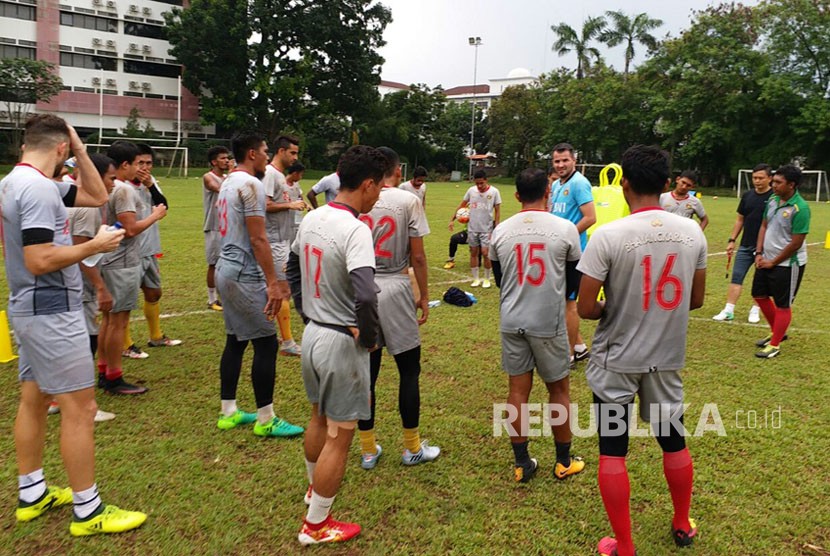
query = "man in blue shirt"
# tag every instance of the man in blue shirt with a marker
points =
(571, 199)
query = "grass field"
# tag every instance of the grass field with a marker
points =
(758, 490)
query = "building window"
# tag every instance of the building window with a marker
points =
(150, 68)
(143, 30)
(89, 22)
(17, 11)
(89, 62)
(11, 51)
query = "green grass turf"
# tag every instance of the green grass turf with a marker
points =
(757, 490)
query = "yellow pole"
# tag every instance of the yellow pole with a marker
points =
(6, 353)
(827, 241)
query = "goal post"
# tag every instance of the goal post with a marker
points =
(175, 159)
(812, 180)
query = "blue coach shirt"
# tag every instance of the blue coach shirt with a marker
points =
(568, 197)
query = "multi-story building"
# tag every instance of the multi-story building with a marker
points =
(112, 57)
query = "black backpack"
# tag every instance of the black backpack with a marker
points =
(455, 296)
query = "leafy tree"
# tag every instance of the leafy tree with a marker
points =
(568, 40)
(452, 134)
(516, 126)
(627, 30)
(25, 82)
(272, 64)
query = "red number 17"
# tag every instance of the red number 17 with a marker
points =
(317, 253)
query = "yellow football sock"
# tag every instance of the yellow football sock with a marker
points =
(128, 339)
(151, 313)
(368, 442)
(284, 320)
(411, 440)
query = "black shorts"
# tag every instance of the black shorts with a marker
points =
(781, 283)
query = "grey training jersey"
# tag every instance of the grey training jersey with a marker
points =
(150, 239)
(209, 199)
(241, 196)
(84, 222)
(684, 207)
(481, 208)
(29, 200)
(331, 243)
(396, 217)
(293, 192)
(420, 192)
(533, 247)
(274, 184)
(123, 198)
(647, 262)
(330, 184)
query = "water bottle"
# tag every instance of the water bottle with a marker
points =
(93, 260)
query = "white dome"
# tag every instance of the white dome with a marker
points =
(519, 72)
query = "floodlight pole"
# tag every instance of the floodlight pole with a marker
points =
(475, 42)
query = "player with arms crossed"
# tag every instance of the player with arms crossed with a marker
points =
(534, 256)
(398, 227)
(484, 202)
(331, 269)
(680, 201)
(211, 184)
(652, 266)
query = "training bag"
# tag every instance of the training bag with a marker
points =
(455, 296)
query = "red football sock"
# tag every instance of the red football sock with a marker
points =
(768, 308)
(616, 492)
(679, 472)
(113, 374)
(783, 317)
(102, 368)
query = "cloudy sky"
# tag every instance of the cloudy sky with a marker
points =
(427, 40)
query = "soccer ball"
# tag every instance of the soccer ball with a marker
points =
(463, 215)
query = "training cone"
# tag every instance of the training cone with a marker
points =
(827, 241)
(6, 353)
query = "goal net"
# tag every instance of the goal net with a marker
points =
(172, 160)
(813, 184)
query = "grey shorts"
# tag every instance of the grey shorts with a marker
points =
(90, 297)
(54, 352)
(521, 353)
(336, 373)
(663, 388)
(150, 273)
(242, 305)
(123, 284)
(396, 311)
(478, 239)
(279, 253)
(213, 246)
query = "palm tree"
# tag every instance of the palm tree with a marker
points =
(630, 30)
(568, 41)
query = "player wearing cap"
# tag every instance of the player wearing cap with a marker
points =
(251, 291)
(652, 266)
(398, 227)
(780, 257)
(534, 256)
(331, 269)
(484, 202)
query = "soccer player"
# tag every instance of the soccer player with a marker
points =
(534, 255)
(398, 225)
(279, 226)
(681, 202)
(484, 202)
(251, 291)
(417, 185)
(211, 183)
(329, 184)
(150, 195)
(571, 199)
(121, 269)
(750, 214)
(45, 306)
(780, 256)
(652, 266)
(331, 269)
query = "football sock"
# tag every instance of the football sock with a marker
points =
(563, 453)
(86, 502)
(309, 469)
(679, 472)
(474, 271)
(730, 308)
(768, 308)
(212, 296)
(128, 339)
(113, 374)
(368, 442)
(486, 273)
(31, 486)
(93, 344)
(264, 369)
(580, 347)
(284, 321)
(102, 368)
(319, 508)
(265, 414)
(616, 492)
(783, 317)
(520, 452)
(151, 313)
(229, 407)
(412, 440)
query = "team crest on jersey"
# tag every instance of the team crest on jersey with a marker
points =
(785, 214)
(689, 206)
(490, 196)
(565, 193)
(656, 223)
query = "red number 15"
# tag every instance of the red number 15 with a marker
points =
(533, 260)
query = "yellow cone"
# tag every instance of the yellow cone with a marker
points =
(6, 353)
(827, 241)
